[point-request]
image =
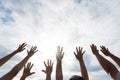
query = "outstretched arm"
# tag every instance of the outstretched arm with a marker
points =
(26, 71)
(106, 65)
(79, 56)
(106, 52)
(59, 56)
(6, 58)
(10, 75)
(48, 71)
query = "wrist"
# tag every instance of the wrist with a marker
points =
(110, 54)
(80, 60)
(23, 77)
(14, 52)
(59, 61)
(48, 75)
(28, 56)
(96, 53)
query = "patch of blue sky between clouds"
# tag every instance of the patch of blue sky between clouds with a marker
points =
(90, 67)
(77, 1)
(6, 19)
(6, 15)
(94, 68)
(1, 6)
(3, 51)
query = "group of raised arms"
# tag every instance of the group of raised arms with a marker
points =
(108, 67)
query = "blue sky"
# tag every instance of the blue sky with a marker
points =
(49, 23)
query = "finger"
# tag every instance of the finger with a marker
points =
(94, 47)
(44, 71)
(101, 46)
(27, 51)
(102, 50)
(104, 47)
(75, 54)
(77, 49)
(25, 44)
(107, 49)
(45, 64)
(35, 51)
(23, 49)
(52, 64)
(19, 45)
(31, 65)
(22, 44)
(61, 50)
(91, 46)
(48, 63)
(24, 67)
(81, 49)
(34, 48)
(28, 65)
(31, 48)
(32, 73)
(83, 52)
(63, 54)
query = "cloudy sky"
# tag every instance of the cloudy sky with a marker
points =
(68, 23)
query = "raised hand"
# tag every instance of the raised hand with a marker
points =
(106, 65)
(94, 49)
(59, 56)
(105, 50)
(60, 53)
(79, 54)
(32, 51)
(49, 67)
(27, 69)
(6, 58)
(21, 47)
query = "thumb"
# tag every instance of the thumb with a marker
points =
(44, 71)
(32, 73)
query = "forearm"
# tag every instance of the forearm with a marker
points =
(107, 66)
(83, 70)
(48, 77)
(10, 75)
(22, 78)
(6, 58)
(20, 65)
(104, 63)
(115, 58)
(59, 74)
